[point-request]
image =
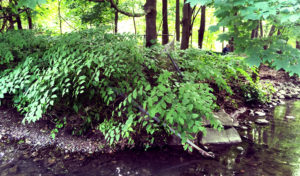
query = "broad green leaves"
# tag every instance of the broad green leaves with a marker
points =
(105, 79)
(30, 3)
(199, 2)
(241, 17)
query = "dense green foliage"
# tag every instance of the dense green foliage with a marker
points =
(104, 77)
(242, 17)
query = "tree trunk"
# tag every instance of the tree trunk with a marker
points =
(151, 35)
(10, 17)
(254, 33)
(165, 30)
(59, 17)
(19, 22)
(223, 44)
(29, 19)
(177, 22)
(298, 45)
(3, 25)
(272, 31)
(202, 27)
(231, 43)
(278, 32)
(186, 24)
(261, 29)
(116, 19)
(11, 22)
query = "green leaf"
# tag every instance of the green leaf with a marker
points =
(134, 94)
(253, 61)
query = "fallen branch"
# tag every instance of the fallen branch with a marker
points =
(201, 151)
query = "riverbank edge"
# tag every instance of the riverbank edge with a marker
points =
(38, 135)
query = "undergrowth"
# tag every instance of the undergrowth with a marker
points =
(108, 80)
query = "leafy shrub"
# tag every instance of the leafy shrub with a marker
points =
(17, 45)
(108, 79)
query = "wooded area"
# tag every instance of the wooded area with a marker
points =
(57, 54)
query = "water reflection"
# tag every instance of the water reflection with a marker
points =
(266, 150)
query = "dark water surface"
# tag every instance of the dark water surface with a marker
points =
(273, 149)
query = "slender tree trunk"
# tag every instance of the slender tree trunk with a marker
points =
(134, 25)
(272, 31)
(177, 22)
(29, 19)
(116, 19)
(165, 29)
(223, 30)
(59, 17)
(11, 22)
(231, 43)
(151, 34)
(254, 33)
(19, 22)
(186, 24)
(261, 29)
(10, 17)
(298, 45)
(278, 32)
(202, 27)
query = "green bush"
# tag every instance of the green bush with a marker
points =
(107, 79)
(17, 45)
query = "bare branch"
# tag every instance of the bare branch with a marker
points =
(115, 6)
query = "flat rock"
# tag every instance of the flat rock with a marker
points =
(228, 136)
(224, 118)
(262, 121)
(260, 113)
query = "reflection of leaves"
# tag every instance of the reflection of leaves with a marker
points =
(295, 110)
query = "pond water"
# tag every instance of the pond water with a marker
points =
(273, 149)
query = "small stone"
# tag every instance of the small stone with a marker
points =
(27, 141)
(290, 117)
(260, 113)
(282, 92)
(34, 154)
(51, 161)
(281, 102)
(281, 96)
(37, 159)
(26, 156)
(244, 127)
(239, 148)
(262, 121)
(67, 156)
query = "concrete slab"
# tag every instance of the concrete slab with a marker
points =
(228, 136)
